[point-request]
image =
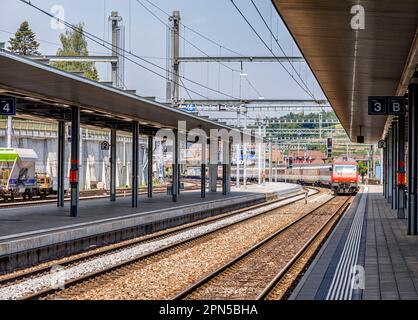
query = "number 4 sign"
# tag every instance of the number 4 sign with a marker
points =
(7, 106)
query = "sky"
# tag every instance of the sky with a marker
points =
(146, 36)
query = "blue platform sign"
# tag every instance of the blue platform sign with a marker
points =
(190, 107)
(7, 106)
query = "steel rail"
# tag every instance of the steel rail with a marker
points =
(114, 248)
(183, 294)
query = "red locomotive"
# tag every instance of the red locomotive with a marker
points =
(344, 175)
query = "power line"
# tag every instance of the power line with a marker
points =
(100, 40)
(186, 40)
(196, 32)
(277, 42)
(271, 51)
(102, 43)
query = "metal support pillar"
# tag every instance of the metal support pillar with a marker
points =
(394, 165)
(389, 164)
(412, 157)
(113, 165)
(9, 131)
(213, 165)
(135, 163)
(61, 163)
(175, 168)
(384, 169)
(244, 165)
(237, 171)
(203, 171)
(115, 19)
(75, 161)
(225, 160)
(229, 168)
(175, 63)
(150, 156)
(401, 167)
(270, 162)
(260, 146)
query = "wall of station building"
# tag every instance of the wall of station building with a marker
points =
(95, 164)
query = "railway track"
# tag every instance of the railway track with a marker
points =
(81, 258)
(88, 195)
(269, 269)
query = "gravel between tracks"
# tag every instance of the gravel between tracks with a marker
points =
(247, 278)
(162, 277)
(29, 286)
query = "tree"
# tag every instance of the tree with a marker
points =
(362, 168)
(74, 44)
(24, 42)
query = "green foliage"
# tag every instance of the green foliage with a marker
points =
(74, 44)
(24, 42)
(363, 168)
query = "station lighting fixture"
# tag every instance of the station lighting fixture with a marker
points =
(243, 74)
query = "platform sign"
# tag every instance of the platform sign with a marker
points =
(104, 145)
(386, 105)
(377, 105)
(396, 105)
(381, 144)
(7, 106)
(190, 107)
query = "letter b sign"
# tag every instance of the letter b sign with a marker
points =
(396, 105)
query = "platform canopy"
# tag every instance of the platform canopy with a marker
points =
(351, 65)
(44, 91)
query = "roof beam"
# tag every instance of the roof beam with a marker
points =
(241, 59)
(53, 58)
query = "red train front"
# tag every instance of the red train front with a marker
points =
(344, 175)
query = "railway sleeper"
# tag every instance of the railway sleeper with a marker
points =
(24, 259)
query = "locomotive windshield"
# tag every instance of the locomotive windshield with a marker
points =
(345, 169)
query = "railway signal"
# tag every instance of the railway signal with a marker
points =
(329, 148)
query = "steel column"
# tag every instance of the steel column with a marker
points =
(150, 159)
(389, 176)
(213, 165)
(401, 166)
(225, 159)
(175, 168)
(270, 162)
(75, 161)
(61, 164)
(238, 159)
(394, 165)
(384, 169)
(203, 171)
(135, 163)
(113, 165)
(412, 158)
(229, 168)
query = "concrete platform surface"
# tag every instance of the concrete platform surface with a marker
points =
(26, 228)
(368, 256)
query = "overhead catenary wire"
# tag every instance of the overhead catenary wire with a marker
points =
(271, 51)
(278, 43)
(102, 42)
(196, 32)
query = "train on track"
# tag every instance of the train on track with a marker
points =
(18, 177)
(341, 175)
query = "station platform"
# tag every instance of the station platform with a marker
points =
(368, 256)
(26, 231)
